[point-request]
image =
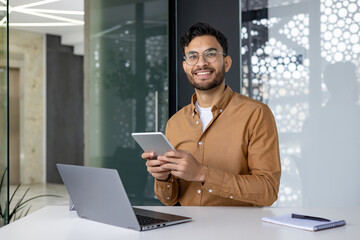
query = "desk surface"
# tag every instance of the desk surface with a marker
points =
(56, 222)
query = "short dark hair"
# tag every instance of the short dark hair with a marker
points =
(203, 29)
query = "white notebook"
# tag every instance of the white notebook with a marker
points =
(305, 224)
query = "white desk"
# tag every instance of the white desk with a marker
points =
(57, 223)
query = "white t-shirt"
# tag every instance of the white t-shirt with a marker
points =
(205, 115)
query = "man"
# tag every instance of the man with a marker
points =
(226, 144)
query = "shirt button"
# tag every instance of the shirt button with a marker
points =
(168, 185)
(197, 122)
(199, 191)
(168, 198)
(200, 143)
(221, 110)
(210, 190)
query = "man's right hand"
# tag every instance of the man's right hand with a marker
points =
(154, 166)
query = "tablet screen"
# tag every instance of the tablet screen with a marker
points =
(153, 142)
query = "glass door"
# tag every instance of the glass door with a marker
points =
(4, 187)
(128, 86)
(301, 57)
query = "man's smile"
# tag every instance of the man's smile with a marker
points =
(202, 74)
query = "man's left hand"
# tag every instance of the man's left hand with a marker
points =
(183, 165)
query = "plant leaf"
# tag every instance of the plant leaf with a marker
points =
(18, 210)
(21, 204)
(16, 207)
(22, 214)
(2, 180)
(22, 198)
(39, 196)
(28, 211)
(16, 189)
(2, 214)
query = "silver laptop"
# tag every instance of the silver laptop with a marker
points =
(99, 195)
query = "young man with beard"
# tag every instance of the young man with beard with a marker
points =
(227, 151)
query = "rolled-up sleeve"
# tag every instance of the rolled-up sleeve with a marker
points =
(167, 191)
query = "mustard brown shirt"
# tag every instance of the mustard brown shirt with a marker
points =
(239, 147)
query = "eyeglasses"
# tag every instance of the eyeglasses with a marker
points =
(209, 56)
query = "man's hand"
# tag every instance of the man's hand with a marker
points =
(154, 166)
(183, 165)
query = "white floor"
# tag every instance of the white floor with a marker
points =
(40, 189)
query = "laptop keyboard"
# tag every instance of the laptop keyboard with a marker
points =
(144, 220)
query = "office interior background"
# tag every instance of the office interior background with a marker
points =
(76, 84)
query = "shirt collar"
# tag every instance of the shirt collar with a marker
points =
(220, 105)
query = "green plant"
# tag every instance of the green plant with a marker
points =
(2, 213)
(21, 207)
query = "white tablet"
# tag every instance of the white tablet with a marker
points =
(153, 142)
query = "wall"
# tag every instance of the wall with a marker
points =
(64, 107)
(26, 53)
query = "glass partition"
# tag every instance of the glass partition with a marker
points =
(4, 187)
(128, 86)
(301, 57)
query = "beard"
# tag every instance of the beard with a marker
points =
(219, 78)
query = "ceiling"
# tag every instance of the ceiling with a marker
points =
(58, 17)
